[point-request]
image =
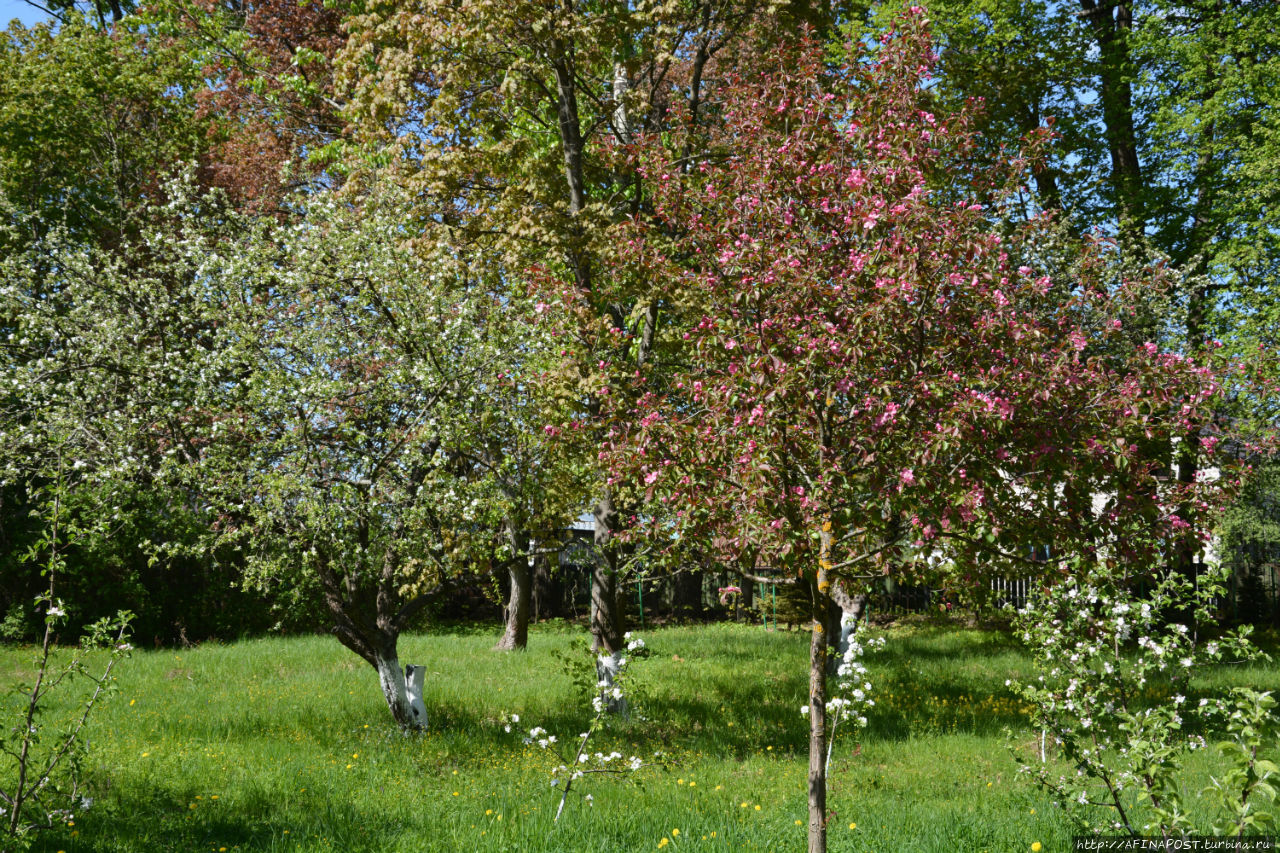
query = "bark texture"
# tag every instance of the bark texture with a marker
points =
(520, 575)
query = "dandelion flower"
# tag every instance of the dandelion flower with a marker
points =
(1035, 847)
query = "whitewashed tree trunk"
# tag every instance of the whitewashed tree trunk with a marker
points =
(406, 707)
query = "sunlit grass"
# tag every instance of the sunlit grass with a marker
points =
(284, 744)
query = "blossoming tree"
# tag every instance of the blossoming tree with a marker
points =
(356, 456)
(873, 368)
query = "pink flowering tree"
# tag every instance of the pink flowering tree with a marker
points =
(875, 371)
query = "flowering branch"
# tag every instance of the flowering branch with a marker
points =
(1113, 674)
(583, 762)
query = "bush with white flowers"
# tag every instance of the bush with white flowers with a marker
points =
(1111, 700)
(570, 768)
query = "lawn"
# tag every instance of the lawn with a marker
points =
(285, 744)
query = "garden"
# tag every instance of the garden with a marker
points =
(562, 424)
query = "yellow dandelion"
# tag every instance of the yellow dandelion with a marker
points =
(757, 807)
(674, 833)
(1035, 847)
(853, 826)
(664, 842)
(692, 784)
(488, 811)
(213, 796)
(191, 805)
(799, 822)
(679, 781)
(744, 805)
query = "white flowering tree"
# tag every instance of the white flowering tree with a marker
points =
(104, 357)
(357, 455)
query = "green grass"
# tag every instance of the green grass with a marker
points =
(285, 745)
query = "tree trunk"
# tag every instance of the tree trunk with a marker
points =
(1111, 22)
(851, 610)
(516, 635)
(606, 613)
(818, 711)
(547, 600)
(404, 701)
(687, 594)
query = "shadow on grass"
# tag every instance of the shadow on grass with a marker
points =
(157, 821)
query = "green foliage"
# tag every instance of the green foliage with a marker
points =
(91, 123)
(1246, 793)
(40, 752)
(1249, 541)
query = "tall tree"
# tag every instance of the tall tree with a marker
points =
(351, 454)
(871, 370)
(508, 118)
(1167, 113)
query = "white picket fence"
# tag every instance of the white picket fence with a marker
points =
(1012, 591)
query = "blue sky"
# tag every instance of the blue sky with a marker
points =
(10, 9)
